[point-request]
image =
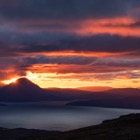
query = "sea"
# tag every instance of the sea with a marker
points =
(55, 116)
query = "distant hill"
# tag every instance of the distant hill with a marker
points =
(108, 94)
(124, 128)
(127, 91)
(24, 90)
(115, 98)
(69, 93)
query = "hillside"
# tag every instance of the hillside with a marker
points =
(23, 90)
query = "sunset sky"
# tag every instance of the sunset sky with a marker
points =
(70, 43)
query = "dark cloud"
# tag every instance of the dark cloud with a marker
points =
(10, 67)
(79, 64)
(37, 43)
(104, 68)
(12, 42)
(62, 9)
(95, 43)
(11, 35)
(82, 60)
(31, 29)
(79, 60)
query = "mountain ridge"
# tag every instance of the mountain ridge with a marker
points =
(23, 90)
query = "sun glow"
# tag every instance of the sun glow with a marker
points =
(31, 76)
(13, 80)
(51, 80)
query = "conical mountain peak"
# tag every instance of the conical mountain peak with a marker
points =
(24, 83)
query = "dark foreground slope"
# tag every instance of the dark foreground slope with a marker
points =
(124, 128)
(20, 133)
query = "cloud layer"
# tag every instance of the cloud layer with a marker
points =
(76, 40)
(62, 9)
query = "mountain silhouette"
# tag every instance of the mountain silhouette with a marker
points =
(115, 98)
(23, 90)
(24, 84)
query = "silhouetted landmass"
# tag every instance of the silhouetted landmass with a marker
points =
(26, 91)
(15, 134)
(124, 128)
(130, 103)
(69, 94)
(115, 98)
(23, 90)
(124, 91)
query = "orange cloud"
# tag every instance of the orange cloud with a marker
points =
(120, 26)
(124, 77)
(111, 30)
(78, 80)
